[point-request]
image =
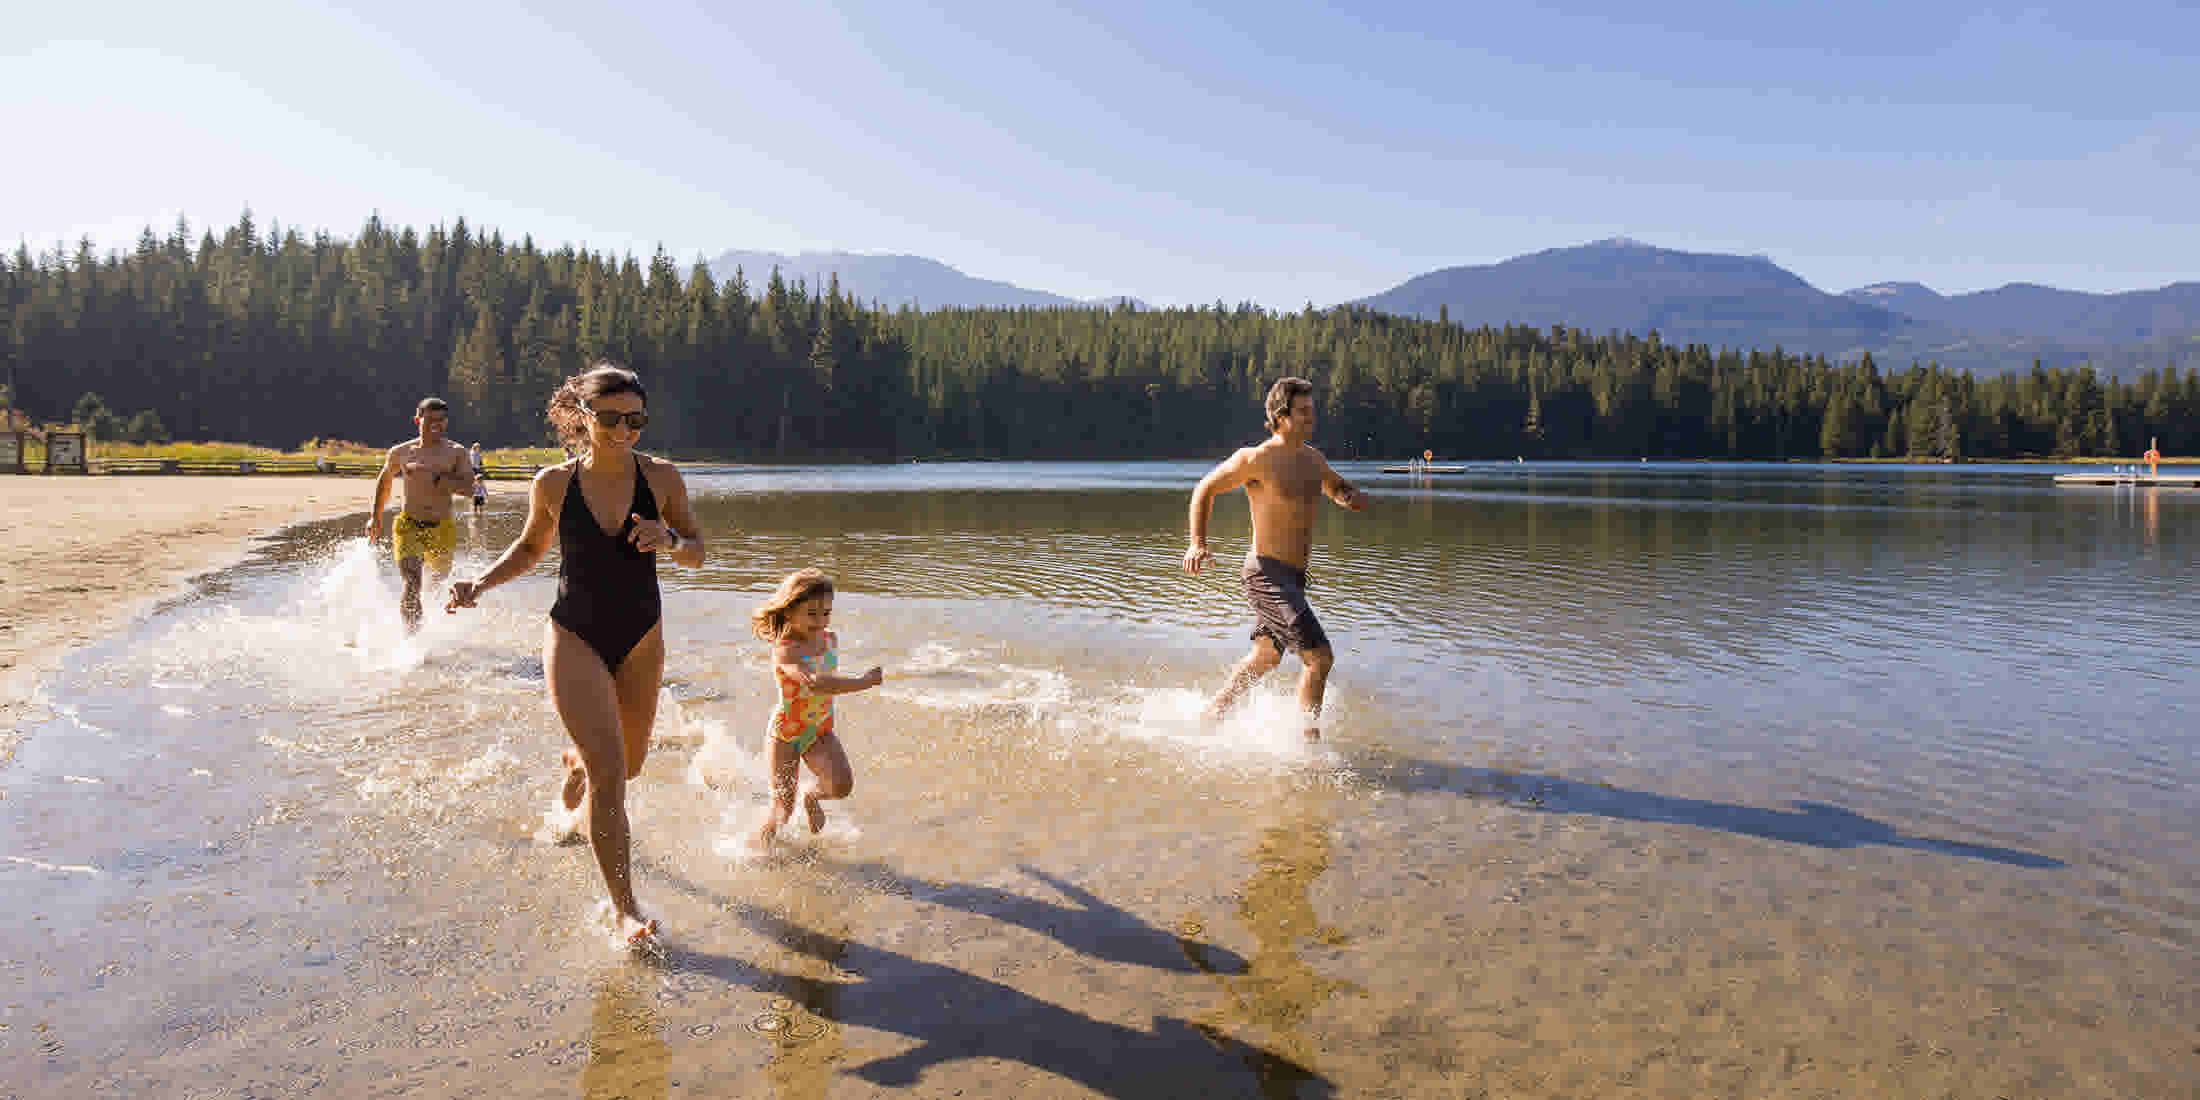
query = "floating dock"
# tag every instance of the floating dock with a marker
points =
(2143, 481)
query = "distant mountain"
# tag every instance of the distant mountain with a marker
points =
(2048, 315)
(895, 281)
(1687, 297)
(1751, 302)
(1909, 299)
(1724, 301)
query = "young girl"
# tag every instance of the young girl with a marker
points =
(805, 666)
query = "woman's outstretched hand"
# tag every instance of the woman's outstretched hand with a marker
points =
(463, 594)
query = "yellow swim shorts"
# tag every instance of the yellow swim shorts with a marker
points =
(432, 540)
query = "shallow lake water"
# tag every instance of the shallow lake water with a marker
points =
(1637, 779)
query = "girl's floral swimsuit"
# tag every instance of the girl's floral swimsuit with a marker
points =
(803, 716)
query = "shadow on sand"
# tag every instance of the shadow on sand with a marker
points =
(1086, 925)
(1814, 823)
(953, 1014)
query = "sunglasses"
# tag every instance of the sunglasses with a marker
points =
(609, 418)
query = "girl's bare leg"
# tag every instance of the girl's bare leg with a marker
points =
(835, 779)
(587, 701)
(785, 769)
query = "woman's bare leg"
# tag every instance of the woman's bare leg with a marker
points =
(638, 679)
(587, 702)
(637, 682)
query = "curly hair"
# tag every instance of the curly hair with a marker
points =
(568, 409)
(770, 621)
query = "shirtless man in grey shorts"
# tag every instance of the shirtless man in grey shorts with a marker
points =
(1283, 478)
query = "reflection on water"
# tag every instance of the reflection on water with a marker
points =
(806, 1041)
(628, 1058)
(1278, 994)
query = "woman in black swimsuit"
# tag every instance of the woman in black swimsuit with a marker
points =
(613, 512)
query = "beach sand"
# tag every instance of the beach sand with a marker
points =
(82, 556)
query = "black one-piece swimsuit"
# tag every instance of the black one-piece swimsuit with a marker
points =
(607, 589)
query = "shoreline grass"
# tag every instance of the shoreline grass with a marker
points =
(338, 450)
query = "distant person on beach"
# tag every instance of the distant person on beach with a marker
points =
(481, 482)
(613, 511)
(1283, 478)
(806, 674)
(431, 468)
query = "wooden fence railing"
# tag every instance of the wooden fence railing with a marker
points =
(273, 466)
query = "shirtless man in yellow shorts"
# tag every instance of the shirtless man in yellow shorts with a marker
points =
(433, 469)
(1284, 480)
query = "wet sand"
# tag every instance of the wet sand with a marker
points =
(81, 556)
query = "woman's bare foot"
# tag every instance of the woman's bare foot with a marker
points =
(635, 931)
(576, 780)
(815, 811)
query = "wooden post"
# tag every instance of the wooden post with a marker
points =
(65, 453)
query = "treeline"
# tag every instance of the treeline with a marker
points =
(270, 336)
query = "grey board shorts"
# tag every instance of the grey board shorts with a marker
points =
(1277, 591)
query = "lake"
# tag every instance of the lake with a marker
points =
(1676, 779)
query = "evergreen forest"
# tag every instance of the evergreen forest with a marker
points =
(265, 335)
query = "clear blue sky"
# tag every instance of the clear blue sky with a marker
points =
(1275, 152)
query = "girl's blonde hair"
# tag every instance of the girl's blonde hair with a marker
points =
(770, 620)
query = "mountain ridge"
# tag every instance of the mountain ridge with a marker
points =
(1621, 283)
(896, 280)
(1626, 285)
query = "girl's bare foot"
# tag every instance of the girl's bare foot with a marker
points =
(576, 780)
(815, 811)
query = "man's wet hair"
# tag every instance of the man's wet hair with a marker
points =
(432, 405)
(1280, 397)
